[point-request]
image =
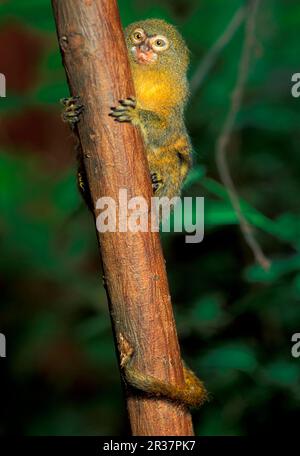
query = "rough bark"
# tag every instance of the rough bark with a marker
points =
(95, 59)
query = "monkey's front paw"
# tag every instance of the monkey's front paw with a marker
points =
(157, 182)
(125, 111)
(72, 110)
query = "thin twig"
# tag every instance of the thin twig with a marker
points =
(224, 138)
(209, 60)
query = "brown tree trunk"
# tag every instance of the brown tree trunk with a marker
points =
(96, 63)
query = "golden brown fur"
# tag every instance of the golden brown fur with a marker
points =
(161, 94)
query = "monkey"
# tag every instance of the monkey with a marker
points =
(159, 60)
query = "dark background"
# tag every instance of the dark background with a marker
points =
(235, 321)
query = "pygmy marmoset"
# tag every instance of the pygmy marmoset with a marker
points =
(159, 60)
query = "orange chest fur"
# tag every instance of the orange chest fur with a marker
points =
(156, 91)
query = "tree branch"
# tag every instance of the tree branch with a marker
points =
(211, 57)
(226, 133)
(95, 58)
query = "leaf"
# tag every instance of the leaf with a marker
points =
(195, 176)
(278, 269)
(251, 214)
(207, 309)
(283, 373)
(231, 356)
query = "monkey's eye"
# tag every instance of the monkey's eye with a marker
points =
(138, 36)
(160, 43)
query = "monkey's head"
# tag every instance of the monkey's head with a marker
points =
(154, 42)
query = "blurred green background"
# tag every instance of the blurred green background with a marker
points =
(235, 321)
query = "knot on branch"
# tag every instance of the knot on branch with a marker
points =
(73, 41)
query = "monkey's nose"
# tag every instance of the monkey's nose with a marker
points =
(144, 47)
(145, 57)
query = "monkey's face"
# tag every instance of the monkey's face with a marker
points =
(145, 49)
(154, 42)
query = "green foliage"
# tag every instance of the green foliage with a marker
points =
(33, 13)
(235, 320)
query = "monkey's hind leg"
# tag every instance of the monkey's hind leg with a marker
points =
(192, 394)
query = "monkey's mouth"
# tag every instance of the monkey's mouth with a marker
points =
(144, 57)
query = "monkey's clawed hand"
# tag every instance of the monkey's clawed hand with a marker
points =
(125, 111)
(72, 110)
